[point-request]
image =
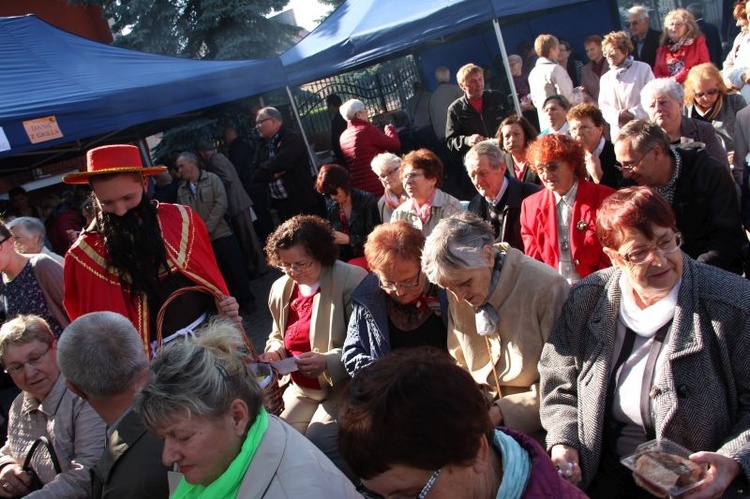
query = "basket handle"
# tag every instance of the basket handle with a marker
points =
(199, 289)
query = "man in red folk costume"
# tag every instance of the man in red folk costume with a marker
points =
(137, 252)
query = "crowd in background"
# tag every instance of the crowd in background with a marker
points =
(497, 302)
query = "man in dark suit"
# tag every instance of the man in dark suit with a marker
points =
(645, 40)
(499, 196)
(711, 32)
(102, 358)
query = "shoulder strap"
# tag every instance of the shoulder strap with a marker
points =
(50, 450)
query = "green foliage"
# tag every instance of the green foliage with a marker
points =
(199, 29)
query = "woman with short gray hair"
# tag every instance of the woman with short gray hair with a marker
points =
(45, 408)
(208, 406)
(387, 166)
(664, 100)
(501, 307)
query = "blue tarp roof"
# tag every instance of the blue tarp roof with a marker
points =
(362, 31)
(92, 88)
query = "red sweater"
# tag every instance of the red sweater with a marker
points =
(362, 141)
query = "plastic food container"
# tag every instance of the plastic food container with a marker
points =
(662, 468)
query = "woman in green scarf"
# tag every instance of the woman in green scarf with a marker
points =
(207, 405)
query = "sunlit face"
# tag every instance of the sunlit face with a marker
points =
(471, 285)
(403, 275)
(614, 55)
(38, 367)
(416, 184)
(645, 170)
(118, 194)
(390, 178)
(473, 85)
(514, 140)
(26, 241)
(202, 447)
(299, 265)
(586, 133)
(638, 25)
(487, 180)
(665, 112)
(657, 275)
(676, 29)
(187, 169)
(706, 94)
(557, 176)
(594, 51)
(556, 113)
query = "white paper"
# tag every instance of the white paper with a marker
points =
(286, 366)
(4, 144)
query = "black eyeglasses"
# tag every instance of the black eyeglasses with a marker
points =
(260, 122)
(404, 286)
(5, 239)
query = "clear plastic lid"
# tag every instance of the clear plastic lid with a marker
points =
(662, 468)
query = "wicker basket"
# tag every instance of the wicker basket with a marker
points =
(272, 393)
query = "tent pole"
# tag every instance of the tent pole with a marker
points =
(504, 53)
(313, 159)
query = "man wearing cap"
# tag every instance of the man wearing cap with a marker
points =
(136, 253)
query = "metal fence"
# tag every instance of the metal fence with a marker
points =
(383, 88)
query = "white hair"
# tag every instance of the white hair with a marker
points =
(638, 10)
(350, 108)
(662, 86)
(385, 161)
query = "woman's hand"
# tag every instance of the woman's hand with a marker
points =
(14, 481)
(721, 471)
(566, 460)
(228, 307)
(340, 237)
(268, 357)
(312, 364)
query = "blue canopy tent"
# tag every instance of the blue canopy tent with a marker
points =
(364, 31)
(92, 89)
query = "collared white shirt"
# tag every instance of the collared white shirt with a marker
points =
(564, 211)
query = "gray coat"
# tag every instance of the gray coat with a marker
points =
(702, 397)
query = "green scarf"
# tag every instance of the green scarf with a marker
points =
(227, 485)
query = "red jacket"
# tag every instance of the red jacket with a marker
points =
(685, 58)
(539, 228)
(362, 141)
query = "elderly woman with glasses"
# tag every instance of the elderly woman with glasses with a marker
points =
(310, 306)
(422, 174)
(558, 224)
(206, 404)
(664, 101)
(655, 347)
(682, 46)
(413, 425)
(45, 408)
(707, 98)
(620, 87)
(387, 166)
(352, 213)
(395, 306)
(501, 307)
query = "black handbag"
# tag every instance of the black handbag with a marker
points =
(36, 482)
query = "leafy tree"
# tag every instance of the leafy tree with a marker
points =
(199, 29)
(332, 3)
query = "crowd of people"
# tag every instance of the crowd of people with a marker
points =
(508, 310)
